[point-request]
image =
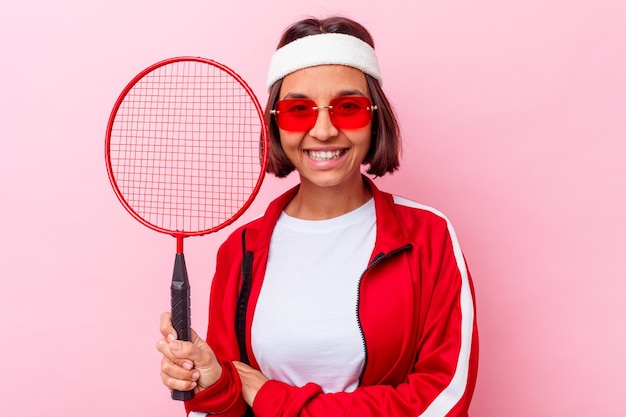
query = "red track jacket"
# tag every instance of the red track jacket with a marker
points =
(416, 310)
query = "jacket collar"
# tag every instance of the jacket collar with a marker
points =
(390, 234)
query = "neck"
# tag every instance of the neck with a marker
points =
(320, 203)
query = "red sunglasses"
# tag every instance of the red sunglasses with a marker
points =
(346, 112)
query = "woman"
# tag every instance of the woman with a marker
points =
(342, 299)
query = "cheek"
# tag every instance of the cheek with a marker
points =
(289, 140)
(364, 140)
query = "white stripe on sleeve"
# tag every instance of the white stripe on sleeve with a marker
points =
(451, 395)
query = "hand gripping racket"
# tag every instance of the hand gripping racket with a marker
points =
(186, 150)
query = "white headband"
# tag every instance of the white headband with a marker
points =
(323, 49)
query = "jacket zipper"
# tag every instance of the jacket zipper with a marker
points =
(242, 300)
(377, 259)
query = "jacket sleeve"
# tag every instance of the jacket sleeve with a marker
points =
(443, 376)
(224, 397)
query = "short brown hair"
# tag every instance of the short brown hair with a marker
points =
(384, 154)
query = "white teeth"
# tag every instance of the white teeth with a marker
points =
(324, 155)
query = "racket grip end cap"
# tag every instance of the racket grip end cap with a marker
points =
(182, 395)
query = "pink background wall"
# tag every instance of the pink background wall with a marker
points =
(513, 114)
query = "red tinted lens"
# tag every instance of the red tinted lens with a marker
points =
(300, 115)
(350, 112)
(296, 115)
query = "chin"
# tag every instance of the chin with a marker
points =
(329, 179)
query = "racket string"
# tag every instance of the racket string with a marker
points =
(185, 147)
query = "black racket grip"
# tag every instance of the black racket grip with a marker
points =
(181, 311)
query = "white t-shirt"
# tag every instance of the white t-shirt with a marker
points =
(305, 326)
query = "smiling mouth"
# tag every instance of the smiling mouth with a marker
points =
(325, 155)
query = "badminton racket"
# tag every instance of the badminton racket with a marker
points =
(186, 150)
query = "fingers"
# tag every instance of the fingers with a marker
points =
(177, 369)
(179, 377)
(177, 352)
(251, 381)
(167, 330)
(168, 349)
(177, 365)
(241, 367)
(181, 353)
(186, 365)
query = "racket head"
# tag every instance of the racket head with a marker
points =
(186, 146)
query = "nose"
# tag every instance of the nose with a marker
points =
(323, 128)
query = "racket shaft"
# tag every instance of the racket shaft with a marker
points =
(181, 311)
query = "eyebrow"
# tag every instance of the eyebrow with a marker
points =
(342, 93)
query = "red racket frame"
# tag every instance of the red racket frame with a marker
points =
(180, 284)
(263, 157)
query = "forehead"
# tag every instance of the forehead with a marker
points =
(324, 81)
